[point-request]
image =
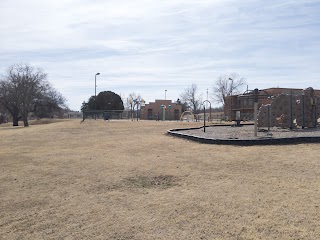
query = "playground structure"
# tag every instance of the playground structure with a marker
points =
(216, 117)
(291, 111)
(189, 116)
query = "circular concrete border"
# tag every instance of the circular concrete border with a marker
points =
(242, 142)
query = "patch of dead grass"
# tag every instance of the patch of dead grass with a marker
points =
(162, 181)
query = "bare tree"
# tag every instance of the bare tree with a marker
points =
(51, 102)
(8, 101)
(28, 86)
(3, 112)
(23, 89)
(226, 85)
(192, 97)
(133, 96)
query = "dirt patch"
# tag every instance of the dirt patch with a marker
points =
(161, 182)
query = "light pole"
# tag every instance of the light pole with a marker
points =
(207, 94)
(206, 101)
(95, 95)
(165, 94)
(231, 98)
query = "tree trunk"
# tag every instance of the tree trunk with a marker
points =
(15, 117)
(15, 120)
(25, 121)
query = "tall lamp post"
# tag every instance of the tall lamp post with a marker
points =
(231, 98)
(95, 95)
(165, 94)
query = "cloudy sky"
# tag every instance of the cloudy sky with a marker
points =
(149, 46)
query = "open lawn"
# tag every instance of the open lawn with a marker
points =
(129, 180)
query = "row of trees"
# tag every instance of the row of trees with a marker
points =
(25, 90)
(224, 86)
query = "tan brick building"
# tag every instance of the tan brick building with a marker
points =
(244, 103)
(161, 109)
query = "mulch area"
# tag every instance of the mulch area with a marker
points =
(246, 132)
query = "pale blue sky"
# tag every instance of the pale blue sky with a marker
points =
(149, 46)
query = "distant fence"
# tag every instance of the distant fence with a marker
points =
(107, 114)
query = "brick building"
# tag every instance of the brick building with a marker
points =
(244, 103)
(161, 109)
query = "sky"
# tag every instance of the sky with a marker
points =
(149, 46)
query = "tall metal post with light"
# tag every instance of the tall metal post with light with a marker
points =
(231, 98)
(95, 95)
(165, 94)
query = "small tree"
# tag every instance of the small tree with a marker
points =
(192, 97)
(226, 85)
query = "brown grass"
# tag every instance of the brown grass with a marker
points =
(129, 180)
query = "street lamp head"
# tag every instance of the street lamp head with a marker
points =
(97, 73)
(230, 79)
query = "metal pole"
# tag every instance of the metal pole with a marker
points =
(291, 112)
(231, 79)
(137, 111)
(210, 112)
(256, 92)
(204, 118)
(95, 97)
(303, 118)
(268, 117)
(315, 112)
(207, 95)
(255, 119)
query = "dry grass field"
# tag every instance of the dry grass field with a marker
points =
(129, 180)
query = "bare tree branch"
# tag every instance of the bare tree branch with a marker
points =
(226, 85)
(192, 97)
